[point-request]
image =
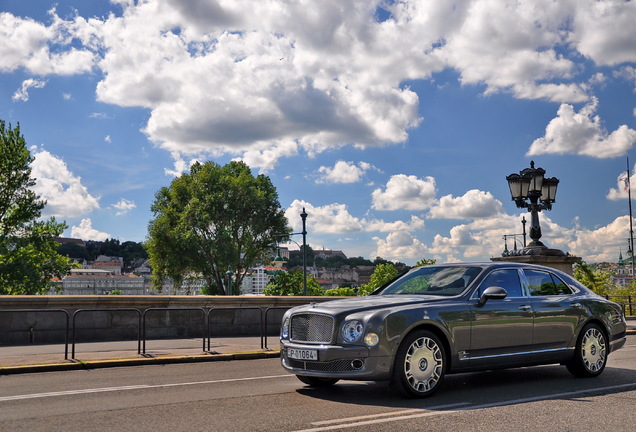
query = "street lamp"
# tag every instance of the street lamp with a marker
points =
(303, 216)
(229, 274)
(530, 189)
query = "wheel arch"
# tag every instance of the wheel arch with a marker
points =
(437, 331)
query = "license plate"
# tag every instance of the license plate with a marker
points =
(302, 354)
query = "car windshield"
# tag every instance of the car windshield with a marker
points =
(433, 280)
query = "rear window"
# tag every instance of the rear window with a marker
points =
(542, 283)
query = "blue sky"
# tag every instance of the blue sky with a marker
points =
(394, 124)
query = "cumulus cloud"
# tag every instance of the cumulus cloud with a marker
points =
(404, 192)
(343, 172)
(623, 184)
(22, 94)
(582, 133)
(400, 245)
(474, 204)
(85, 231)
(265, 80)
(63, 191)
(124, 206)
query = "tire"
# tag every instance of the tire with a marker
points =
(317, 381)
(420, 365)
(590, 356)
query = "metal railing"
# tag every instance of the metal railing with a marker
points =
(71, 323)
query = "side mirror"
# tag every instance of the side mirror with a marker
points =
(492, 293)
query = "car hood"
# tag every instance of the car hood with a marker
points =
(361, 304)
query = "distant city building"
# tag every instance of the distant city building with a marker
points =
(101, 282)
(327, 253)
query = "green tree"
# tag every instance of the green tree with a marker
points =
(291, 284)
(211, 219)
(382, 274)
(597, 281)
(425, 262)
(28, 251)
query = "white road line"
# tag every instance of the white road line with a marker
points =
(133, 387)
(388, 414)
(468, 408)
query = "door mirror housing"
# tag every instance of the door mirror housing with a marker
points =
(492, 293)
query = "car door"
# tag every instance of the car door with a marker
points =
(556, 313)
(501, 329)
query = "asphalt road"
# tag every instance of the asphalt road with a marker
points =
(256, 395)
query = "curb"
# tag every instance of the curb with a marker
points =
(99, 364)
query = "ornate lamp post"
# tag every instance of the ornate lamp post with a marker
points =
(530, 189)
(229, 274)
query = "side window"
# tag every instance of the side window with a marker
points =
(507, 279)
(545, 284)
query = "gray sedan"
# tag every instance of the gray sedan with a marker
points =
(453, 318)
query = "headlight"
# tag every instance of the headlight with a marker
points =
(371, 339)
(352, 331)
(284, 329)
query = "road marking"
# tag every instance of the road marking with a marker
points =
(389, 414)
(133, 387)
(430, 413)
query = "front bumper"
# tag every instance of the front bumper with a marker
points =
(335, 361)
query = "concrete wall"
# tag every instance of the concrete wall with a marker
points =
(96, 321)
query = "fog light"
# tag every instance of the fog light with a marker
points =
(371, 339)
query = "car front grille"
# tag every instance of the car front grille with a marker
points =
(308, 327)
(332, 366)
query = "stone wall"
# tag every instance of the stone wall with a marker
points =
(43, 319)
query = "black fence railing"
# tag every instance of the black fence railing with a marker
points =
(626, 301)
(206, 329)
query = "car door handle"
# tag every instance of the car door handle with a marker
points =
(576, 305)
(525, 307)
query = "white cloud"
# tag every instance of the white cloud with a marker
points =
(603, 31)
(400, 245)
(124, 206)
(41, 49)
(63, 191)
(405, 193)
(85, 231)
(474, 204)
(22, 94)
(582, 133)
(343, 172)
(622, 184)
(265, 80)
(329, 219)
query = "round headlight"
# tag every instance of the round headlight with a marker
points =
(352, 331)
(284, 329)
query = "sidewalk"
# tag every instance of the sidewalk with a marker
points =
(91, 355)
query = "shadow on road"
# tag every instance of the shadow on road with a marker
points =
(503, 387)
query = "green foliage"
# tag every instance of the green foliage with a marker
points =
(128, 250)
(424, 262)
(28, 251)
(596, 280)
(116, 292)
(341, 292)
(382, 274)
(211, 219)
(291, 284)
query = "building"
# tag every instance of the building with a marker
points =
(101, 282)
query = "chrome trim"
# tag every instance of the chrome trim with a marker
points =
(468, 357)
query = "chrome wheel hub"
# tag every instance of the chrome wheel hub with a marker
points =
(423, 364)
(593, 350)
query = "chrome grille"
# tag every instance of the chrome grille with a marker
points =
(311, 328)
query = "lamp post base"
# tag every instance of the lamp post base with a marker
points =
(554, 258)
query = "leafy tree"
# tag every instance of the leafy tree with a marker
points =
(211, 219)
(597, 281)
(425, 262)
(382, 274)
(291, 284)
(28, 251)
(341, 292)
